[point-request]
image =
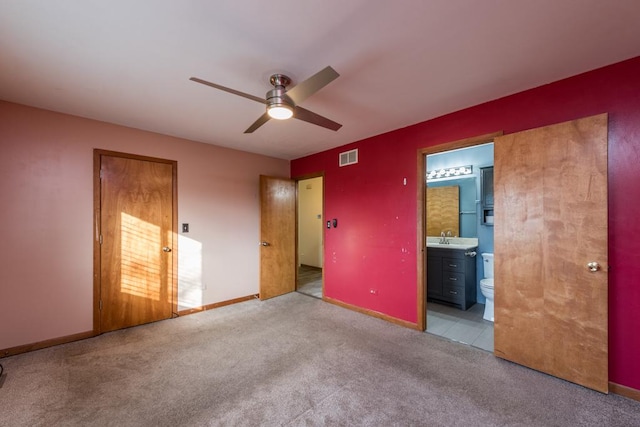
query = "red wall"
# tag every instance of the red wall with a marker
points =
(374, 245)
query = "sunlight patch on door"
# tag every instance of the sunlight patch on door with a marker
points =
(141, 251)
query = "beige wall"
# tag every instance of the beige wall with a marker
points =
(310, 227)
(46, 189)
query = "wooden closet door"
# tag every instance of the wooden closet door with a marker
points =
(550, 223)
(138, 243)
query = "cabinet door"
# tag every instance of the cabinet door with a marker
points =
(486, 182)
(486, 195)
(434, 275)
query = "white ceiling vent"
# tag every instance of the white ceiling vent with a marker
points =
(349, 158)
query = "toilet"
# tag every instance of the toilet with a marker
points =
(486, 285)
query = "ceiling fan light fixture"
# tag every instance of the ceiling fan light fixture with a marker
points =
(282, 104)
(279, 107)
(279, 111)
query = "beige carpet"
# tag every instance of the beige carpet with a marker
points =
(294, 361)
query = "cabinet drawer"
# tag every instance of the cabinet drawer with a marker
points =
(450, 278)
(452, 264)
(454, 294)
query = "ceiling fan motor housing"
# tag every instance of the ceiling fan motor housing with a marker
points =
(279, 106)
(276, 96)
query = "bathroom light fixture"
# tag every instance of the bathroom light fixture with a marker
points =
(449, 172)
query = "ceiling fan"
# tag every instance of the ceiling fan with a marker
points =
(282, 104)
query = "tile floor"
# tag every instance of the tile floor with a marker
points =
(467, 327)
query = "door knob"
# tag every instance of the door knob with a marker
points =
(166, 249)
(265, 243)
(593, 266)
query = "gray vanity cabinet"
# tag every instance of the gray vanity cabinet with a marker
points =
(451, 277)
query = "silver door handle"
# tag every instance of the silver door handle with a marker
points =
(593, 266)
(166, 249)
(265, 243)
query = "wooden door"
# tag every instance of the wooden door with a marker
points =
(277, 234)
(551, 221)
(137, 250)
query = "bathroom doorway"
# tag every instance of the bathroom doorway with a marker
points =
(456, 170)
(441, 317)
(310, 236)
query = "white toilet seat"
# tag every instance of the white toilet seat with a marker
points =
(486, 283)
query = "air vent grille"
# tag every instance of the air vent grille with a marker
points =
(348, 158)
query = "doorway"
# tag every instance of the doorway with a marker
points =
(454, 205)
(135, 245)
(310, 236)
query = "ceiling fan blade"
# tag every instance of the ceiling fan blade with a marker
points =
(316, 119)
(305, 89)
(226, 89)
(261, 120)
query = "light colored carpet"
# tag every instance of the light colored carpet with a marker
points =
(292, 360)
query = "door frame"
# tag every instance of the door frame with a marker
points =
(97, 189)
(421, 250)
(297, 181)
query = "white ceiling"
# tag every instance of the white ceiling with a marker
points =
(401, 62)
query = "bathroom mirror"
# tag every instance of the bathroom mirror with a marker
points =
(459, 203)
(443, 206)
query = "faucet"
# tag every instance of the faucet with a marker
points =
(444, 237)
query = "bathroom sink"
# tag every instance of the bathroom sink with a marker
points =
(451, 246)
(465, 243)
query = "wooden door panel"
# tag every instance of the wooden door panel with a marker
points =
(550, 221)
(518, 214)
(136, 224)
(277, 231)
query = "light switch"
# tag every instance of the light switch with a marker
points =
(185, 228)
